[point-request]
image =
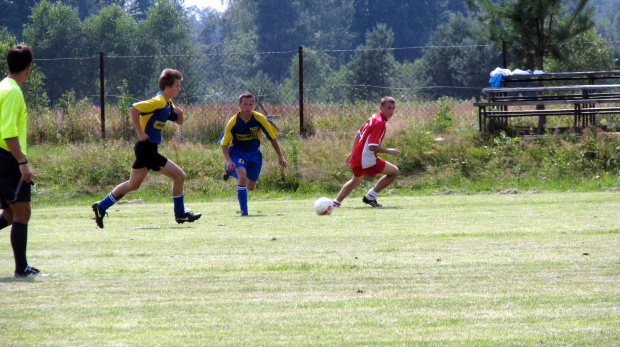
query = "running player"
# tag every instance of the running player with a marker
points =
(363, 158)
(149, 118)
(240, 143)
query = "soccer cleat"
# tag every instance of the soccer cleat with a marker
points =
(370, 202)
(243, 214)
(30, 271)
(335, 203)
(99, 214)
(226, 176)
(187, 216)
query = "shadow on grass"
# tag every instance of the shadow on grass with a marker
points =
(375, 208)
(162, 228)
(17, 279)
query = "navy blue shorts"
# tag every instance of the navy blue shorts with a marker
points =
(12, 189)
(148, 157)
(251, 161)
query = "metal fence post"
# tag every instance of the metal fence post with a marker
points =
(301, 92)
(102, 95)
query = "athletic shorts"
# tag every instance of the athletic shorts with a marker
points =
(370, 171)
(251, 161)
(148, 157)
(12, 189)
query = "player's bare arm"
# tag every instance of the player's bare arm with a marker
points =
(230, 165)
(181, 114)
(16, 151)
(381, 149)
(281, 159)
(135, 120)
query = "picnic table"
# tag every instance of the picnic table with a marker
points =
(581, 101)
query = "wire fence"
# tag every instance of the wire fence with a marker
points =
(281, 81)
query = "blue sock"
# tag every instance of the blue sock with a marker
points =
(242, 195)
(179, 205)
(108, 201)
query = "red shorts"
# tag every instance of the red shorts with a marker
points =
(370, 171)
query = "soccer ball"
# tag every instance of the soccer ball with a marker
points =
(323, 206)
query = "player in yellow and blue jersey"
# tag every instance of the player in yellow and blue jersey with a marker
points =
(240, 143)
(148, 118)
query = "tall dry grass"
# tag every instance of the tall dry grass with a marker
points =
(441, 151)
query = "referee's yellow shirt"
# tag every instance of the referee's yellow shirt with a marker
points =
(13, 117)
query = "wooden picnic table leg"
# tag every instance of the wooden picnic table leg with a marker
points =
(577, 117)
(482, 118)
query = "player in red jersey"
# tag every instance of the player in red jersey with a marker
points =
(363, 158)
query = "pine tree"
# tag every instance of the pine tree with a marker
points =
(533, 29)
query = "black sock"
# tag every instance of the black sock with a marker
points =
(3, 223)
(19, 240)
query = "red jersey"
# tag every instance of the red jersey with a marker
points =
(370, 134)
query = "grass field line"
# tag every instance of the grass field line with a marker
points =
(446, 270)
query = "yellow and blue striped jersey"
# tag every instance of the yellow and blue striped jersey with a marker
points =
(154, 113)
(246, 136)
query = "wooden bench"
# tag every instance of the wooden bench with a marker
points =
(586, 102)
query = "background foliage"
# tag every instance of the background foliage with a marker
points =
(426, 49)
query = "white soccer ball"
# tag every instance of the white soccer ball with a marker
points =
(323, 206)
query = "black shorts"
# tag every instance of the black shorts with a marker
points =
(148, 157)
(12, 189)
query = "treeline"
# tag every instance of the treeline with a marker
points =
(355, 49)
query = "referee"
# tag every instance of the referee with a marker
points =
(15, 172)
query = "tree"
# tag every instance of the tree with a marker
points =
(316, 71)
(55, 31)
(211, 29)
(455, 57)
(411, 21)
(586, 52)
(275, 29)
(163, 37)
(534, 29)
(240, 38)
(15, 14)
(326, 24)
(112, 31)
(373, 65)
(33, 89)
(139, 8)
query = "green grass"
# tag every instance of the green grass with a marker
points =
(450, 270)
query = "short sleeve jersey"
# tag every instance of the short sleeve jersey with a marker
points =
(13, 117)
(154, 113)
(246, 136)
(370, 134)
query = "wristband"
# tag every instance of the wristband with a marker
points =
(24, 163)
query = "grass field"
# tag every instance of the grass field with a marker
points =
(449, 270)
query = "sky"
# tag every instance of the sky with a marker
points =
(216, 4)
